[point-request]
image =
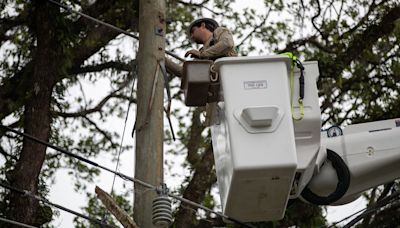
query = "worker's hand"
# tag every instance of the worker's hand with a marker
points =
(193, 53)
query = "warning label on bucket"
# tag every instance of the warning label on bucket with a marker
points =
(255, 84)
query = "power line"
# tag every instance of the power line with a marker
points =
(59, 149)
(121, 175)
(30, 194)
(378, 205)
(123, 132)
(70, 10)
(344, 219)
(368, 210)
(16, 223)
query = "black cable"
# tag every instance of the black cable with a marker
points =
(16, 223)
(343, 175)
(63, 151)
(378, 205)
(121, 175)
(301, 79)
(30, 194)
(123, 132)
(344, 219)
(209, 210)
(70, 10)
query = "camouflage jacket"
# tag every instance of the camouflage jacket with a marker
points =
(219, 45)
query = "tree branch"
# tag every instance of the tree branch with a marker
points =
(255, 28)
(85, 112)
(200, 5)
(8, 23)
(103, 66)
(312, 40)
(105, 134)
(315, 17)
(18, 87)
(360, 42)
(99, 106)
(201, 182)
(98, 36)
(7, 155)
(193, 4)
(345, 117)
(195, 137)
(95, 10)
(112, 206)
(361, 22)
(122, 96)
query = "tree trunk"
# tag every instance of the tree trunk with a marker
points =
(199, 185)
(37, 117)
(149, 125)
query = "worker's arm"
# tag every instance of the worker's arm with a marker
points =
(223, 44)
(173, 68)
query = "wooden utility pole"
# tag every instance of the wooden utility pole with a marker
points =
(150, 95)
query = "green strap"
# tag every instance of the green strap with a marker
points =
(300, 101)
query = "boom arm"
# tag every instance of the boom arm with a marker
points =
(371, 152)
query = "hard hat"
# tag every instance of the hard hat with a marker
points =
(209, 21)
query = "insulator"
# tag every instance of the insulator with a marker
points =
(162, 211)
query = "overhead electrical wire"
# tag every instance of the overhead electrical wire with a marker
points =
(368, 210)
(344, 219)
(121, 175)
(377, 206)
(123, 131)
(16, 223)
(70, 10)
(45, 201)
(59, 149)
(123, 135)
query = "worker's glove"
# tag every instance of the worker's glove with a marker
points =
(194, 54)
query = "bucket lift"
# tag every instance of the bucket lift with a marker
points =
(263, 158)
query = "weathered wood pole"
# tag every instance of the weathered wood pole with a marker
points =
(150, 95)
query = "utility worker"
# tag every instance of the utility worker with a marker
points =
(217, 42)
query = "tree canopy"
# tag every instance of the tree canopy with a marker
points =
(46, 52)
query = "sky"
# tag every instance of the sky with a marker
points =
(63, 193)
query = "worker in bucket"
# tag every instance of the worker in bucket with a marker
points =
(217, 42)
